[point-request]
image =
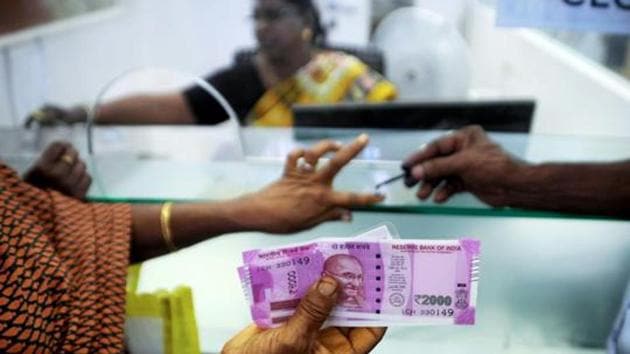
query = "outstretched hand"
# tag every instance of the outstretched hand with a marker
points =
(304, 197)
(463, 161)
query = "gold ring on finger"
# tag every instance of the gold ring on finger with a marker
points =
(304, 166)
(67, 158)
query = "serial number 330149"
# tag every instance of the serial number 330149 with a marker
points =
(429, 312)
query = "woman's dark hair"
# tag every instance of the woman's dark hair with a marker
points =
(310, 12)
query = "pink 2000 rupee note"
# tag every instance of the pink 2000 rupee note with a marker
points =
(391, 281)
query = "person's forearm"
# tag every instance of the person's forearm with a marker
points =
(146, 109)
(598, 189)
(189, 224)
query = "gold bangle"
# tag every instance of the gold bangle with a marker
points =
(165, 222)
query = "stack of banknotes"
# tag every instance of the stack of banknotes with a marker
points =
(383, 280)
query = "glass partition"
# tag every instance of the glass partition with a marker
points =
(130, 171)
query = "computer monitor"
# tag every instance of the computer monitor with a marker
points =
(497, 116)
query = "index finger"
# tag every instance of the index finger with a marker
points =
(312, 155)
(440, 147)
(342, 157)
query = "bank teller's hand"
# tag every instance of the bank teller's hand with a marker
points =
(466, 160)
(51, 115)
(60, 168)
(302, 334)
(304, 196)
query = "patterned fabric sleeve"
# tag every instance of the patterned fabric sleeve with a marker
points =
(62, 271)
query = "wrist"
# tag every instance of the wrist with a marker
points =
(79, 114)
(195, 222)
(250, 213)
(241, 214)
(520, 184)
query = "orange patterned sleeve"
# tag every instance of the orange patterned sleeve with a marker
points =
(62, 271)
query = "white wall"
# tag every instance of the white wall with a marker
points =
(6, 109)
(350, 20)
(575, 95)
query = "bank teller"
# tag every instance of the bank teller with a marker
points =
(290, 67)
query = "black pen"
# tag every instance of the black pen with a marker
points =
(391, 180)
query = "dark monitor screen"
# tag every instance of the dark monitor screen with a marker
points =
(497, 116)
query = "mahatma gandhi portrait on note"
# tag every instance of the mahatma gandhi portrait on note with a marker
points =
(348, 271)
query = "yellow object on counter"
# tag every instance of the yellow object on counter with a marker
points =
(160, 322)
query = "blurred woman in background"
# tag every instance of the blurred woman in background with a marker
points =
(289, 67)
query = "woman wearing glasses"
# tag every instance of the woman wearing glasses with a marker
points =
(290, 67)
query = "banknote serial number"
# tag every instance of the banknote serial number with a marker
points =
(433, 300)
(430, 312)
(301, 261)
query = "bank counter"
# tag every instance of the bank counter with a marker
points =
(550, 282)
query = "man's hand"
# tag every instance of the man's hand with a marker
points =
(304, 196)
(302, 334)
(61, 169)
(466, 160)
